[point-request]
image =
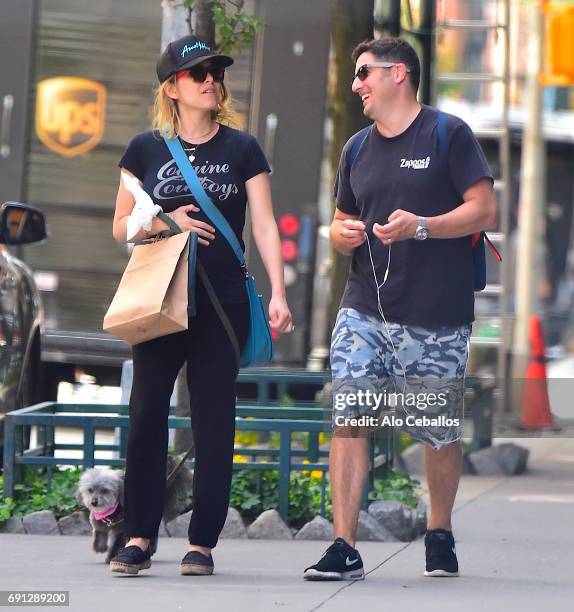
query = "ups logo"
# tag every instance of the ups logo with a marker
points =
(70, 114)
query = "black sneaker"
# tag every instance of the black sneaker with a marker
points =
(130, 560)
(196, 564)
(339, 562)
(441, 558)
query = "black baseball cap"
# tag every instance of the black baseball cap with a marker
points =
(184, 53)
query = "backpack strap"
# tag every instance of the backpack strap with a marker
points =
(495, 252)
(442, 142)
(442, 138)
(358, 141)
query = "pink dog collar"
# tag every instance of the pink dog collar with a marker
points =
(99, 516)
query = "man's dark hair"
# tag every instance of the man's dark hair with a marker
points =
(393, 50)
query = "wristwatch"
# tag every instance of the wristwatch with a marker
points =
(422, 231)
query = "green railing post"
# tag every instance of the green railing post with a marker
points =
(284, 472)
(51, 439)
(18, 435)
(123, 442)
(263, 392)
(8, 456)
(482, 409)
(41, 437)
(89, 441)
(313, 446)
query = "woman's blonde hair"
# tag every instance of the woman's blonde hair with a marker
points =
(166, 116)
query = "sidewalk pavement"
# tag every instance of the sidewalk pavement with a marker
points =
(515, 543)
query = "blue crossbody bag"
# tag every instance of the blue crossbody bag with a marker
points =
(258, 349)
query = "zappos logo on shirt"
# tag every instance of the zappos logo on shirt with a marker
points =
(416, 164)
(198, 45)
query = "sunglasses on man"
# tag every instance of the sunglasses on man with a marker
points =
(199, 73)
(364, 71)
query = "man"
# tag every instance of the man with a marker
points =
(404, 321)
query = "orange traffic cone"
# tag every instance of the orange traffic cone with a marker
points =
(535, 402)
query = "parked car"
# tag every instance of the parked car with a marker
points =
(20, 310)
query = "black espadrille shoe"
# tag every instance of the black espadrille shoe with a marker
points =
(196, 564)
(130, 560)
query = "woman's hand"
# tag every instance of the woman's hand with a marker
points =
(205, 232)
(280, 316)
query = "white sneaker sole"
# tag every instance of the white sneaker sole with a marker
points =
(439, 573)
(312, 574)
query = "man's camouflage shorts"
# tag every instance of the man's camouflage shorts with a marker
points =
(401, 375)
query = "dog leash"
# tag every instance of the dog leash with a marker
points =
(178, 466)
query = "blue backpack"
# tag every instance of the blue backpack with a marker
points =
(478, 239)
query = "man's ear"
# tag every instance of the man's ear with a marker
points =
(401, 73)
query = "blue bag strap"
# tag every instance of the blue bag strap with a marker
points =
(356, 145)
(441, 134)
(202, 198)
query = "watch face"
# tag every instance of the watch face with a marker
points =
(421, 233)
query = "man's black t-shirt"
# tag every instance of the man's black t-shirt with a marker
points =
(430, 282)
(223, 165)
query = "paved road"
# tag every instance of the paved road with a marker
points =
(515, 545)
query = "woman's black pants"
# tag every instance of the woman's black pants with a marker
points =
(211, 374)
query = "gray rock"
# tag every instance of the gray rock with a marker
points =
(418, 520)
(234, 526)
(388, 513)
(411, 461)
(406, 524)
(324, 397)
(369, 529)
(162, 531)
(76, 523)
(500, 460)
(12, 525)
(317, 529)
(179, 526)
(269, 525)
(41, 523)
(178, 495)
(467, 465)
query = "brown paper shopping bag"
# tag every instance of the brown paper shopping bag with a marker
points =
(151, 299)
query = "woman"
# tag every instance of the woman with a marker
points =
(192, 103)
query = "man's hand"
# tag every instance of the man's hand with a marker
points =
(402, 225)
(352, 233)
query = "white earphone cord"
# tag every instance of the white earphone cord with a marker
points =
(380, 307)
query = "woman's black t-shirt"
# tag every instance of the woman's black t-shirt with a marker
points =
(223, 165)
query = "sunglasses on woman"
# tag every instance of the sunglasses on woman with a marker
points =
(199, 73)
(364, 71)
